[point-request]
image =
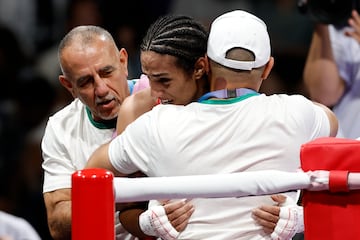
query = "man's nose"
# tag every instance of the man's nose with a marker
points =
(101, 88)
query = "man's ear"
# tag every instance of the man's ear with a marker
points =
(67, 84)
(268, 68)
(124, 60)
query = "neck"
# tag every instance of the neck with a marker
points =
(227, 93)
(203, 87)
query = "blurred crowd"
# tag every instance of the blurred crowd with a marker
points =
(30, 31)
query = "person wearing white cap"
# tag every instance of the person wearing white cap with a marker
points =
(233, 128)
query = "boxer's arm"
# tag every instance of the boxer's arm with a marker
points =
(133, 107)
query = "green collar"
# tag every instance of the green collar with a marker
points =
(106, 124)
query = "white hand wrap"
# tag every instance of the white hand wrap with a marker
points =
(291, 221)
(154, 222)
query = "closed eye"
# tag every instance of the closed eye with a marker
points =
(106, 71)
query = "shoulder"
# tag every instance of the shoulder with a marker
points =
(285, 99)
(290, 104)
(70, 114)
(75, 106)
(140, 102)
(303, 107)
(296, 98)
(165, 112)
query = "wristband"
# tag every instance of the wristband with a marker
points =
(338, 181)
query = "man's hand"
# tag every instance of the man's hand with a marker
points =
(268, 215)
(178, 213)
(282, 221)
(166, 220)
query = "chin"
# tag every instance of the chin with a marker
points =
(109, 116)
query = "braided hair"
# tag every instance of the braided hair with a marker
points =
(178, 36)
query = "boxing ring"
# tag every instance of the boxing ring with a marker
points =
(328, 214)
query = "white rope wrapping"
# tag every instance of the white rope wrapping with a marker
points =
(209, 186)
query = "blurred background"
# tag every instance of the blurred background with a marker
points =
(30, 31)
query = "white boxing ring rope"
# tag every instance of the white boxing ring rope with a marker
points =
(209, 186)
(95, 191)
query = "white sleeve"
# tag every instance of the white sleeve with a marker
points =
(309, 117)
(118, 156)
(321, 124)
(129, 152)
(56, 164)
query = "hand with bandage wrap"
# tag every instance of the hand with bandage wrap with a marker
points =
(166, 220)
(154, 222)
(290, 221)
(281, 221)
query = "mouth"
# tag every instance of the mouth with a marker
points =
(105, 103)
(166, 101)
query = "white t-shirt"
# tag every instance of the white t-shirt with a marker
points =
(221, 136)
(70, 137)
(346, 53)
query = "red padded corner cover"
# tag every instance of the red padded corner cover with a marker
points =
(331, 215)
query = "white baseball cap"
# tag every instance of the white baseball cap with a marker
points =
(239, 29)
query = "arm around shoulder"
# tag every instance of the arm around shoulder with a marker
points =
(100, 159)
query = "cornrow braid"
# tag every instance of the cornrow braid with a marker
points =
(178, 36)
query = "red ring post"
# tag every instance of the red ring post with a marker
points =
(93, 205)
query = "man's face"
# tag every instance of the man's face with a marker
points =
(168, 81)
(97, 75)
